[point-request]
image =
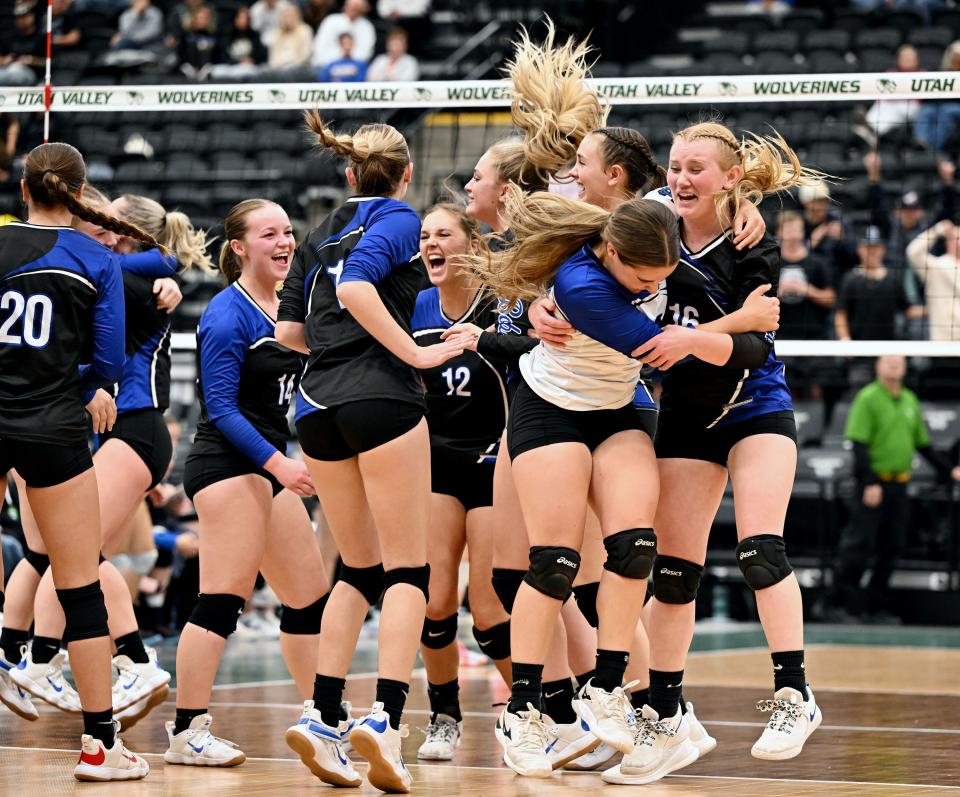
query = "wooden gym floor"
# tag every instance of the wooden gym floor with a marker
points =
(890, 699)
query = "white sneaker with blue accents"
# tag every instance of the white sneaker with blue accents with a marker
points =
(11, 695)
(46, 681)
(792, 720)
(523, 737)
(568, 741)
(346, 725)
(196, 746)
(320, 749)
(379, 744)
(609, 715)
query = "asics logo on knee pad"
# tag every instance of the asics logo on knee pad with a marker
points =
(665, 572)
(564, 561)
(747, 554)
(646, 543)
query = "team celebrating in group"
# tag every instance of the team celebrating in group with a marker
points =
(454, 391)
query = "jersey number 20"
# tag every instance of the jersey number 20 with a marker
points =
(37, 314)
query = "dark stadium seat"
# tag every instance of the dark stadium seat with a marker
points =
(852, 19)
(607, 69)
(834, 39)
(184, 166)
(889, 38)
(943, 422)
(802, 19)
(875, 59)
(934, 36)
(829, 62)
(774, 63)
(779, 41)
(722, 64)
(904, 19)
(809, 416)
(140, 171)
(833, 431)
(948, 18)
(227, 137)
(930, 56)
(730, 41)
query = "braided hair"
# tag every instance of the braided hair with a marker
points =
(627, 148)
(55, 174)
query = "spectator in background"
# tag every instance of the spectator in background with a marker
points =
(826, 236)
(396, 63)
(9, 137)
(21, 53)
(198, 50)
(65, 32)
(886, 429)
(891, 115)
(345, 69)
(178, 20)
(241, 50)
(315, 11)
(411, 15)
(352, 20)
(940, 276)
(937, 119)
(265, 17)
(140, 27)
(291, 43)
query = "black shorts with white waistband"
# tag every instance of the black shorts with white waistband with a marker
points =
(681, 437)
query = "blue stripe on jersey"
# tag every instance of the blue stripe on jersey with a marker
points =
(642, 399)
(764, 391)
(138, 386)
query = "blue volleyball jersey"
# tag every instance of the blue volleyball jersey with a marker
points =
(145, 383)
(246, 378)
(368, 239)
(466, 395)
(61, 304)
(706, 286)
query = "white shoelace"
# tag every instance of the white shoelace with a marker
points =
(648, 729)
(441, 732)
(784, 715)
(616, 705)
(533, 733)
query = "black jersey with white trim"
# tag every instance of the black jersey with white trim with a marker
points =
(61, 304)
(466, 396)
(369, 239)
(706, 286)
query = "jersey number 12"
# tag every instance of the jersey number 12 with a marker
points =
(457, 381)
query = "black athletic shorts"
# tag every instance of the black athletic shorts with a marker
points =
(146, 433)
(535, 422)
(44, 464)
(343, 432)
(460, 475)
(678, 437)
(209, 463)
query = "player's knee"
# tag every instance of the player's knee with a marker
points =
(763, 560)
(217, 613)
(552, 570)
(630, 553)
(494, 641)
(586, 596)
(368, 581)
(418, 577)
(506, 582)
(38, 561)
(303, 621)
(676, 580)
(84, 611)
(142, 563)
(438, 634)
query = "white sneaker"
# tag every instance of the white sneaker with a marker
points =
(12, 696)
(601, 757)
(662, 746)
(702, 740)
(608, 714)
(792, 721)
(347, 725)
(99, 763)
(137, 682)
(320, 749)
(135, 712)
(443, 738)
(196, 746)
(524, 740)
(568, 741)
(379, 744)
(46, 681)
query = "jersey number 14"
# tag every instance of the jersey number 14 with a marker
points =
(37, 314)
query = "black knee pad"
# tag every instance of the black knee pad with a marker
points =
(763, 560)
(85, 612)
(494, 641)
(38, 561)
(438, 634)
(303, 621)
(586, 595)
(418, 577)
(630, 553)
(675, 580)
(368, 581)
(218, 613)
(552, 570)
(506, 582)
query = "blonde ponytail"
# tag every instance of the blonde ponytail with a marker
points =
(172, 230)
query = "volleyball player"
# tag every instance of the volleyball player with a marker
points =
(466, 414)
(61, 299)
(236, 475)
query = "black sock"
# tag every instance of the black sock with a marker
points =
(557, 701)
(131, 645)
(788, 670)
(99, 725)
(2, 599)
(582, 679)
(445, 699)
(611, 665)
(327, 694)
(393, 695)
(184, 717)
(11, 640)
(640, 698)
(526, 688)
(43, 649)
(683, 703)
(665, 690)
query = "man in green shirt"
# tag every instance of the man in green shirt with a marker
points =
(886, 429)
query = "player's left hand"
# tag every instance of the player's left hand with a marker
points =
(466, 336)
(168, 294)
(748, 226)
(666, 349)
(103, 411)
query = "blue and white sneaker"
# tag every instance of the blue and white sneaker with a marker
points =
(379, 744)
(346, 725)
(46, 681)
(197, 747)
(11, 695)
(568, 741)
(523, 737)
(792, 720)
(608, 715)
(138, 682)
(320, 749)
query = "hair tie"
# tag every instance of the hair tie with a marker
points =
(49, 171)
(164, 222)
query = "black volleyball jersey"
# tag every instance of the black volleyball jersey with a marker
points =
(466, 396)
(61, 304)
(368, 239)
(245, 378)
(706, 286)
